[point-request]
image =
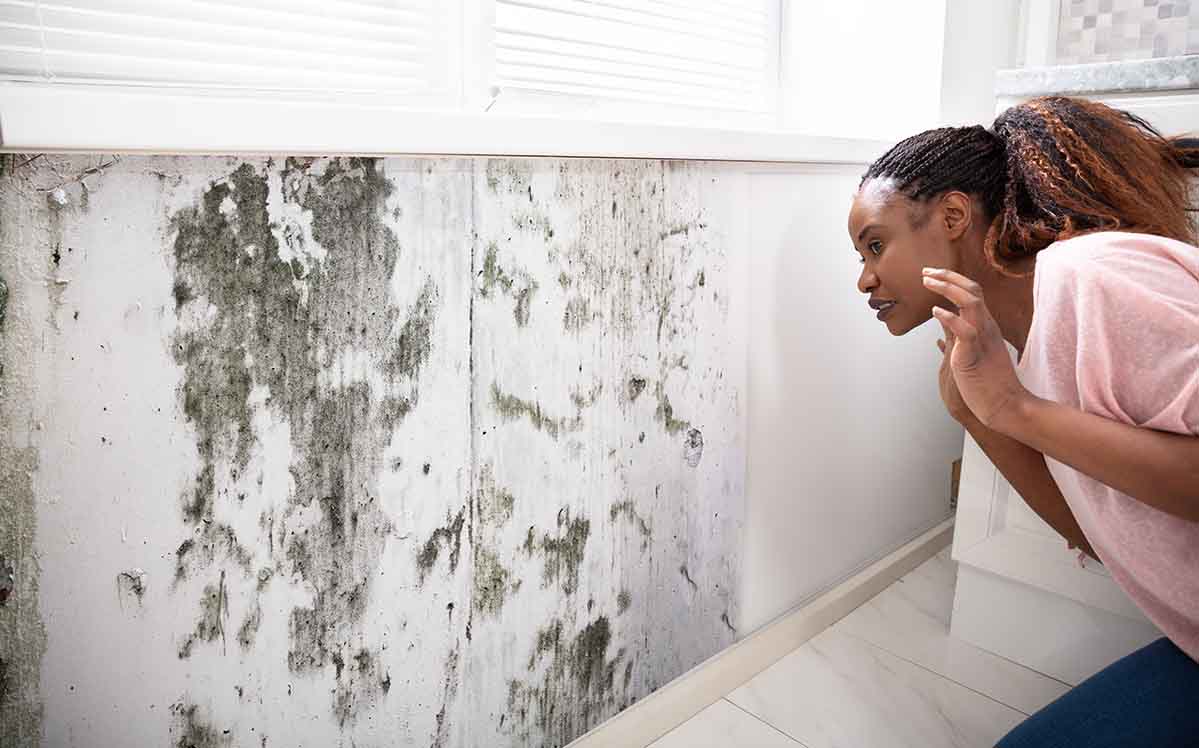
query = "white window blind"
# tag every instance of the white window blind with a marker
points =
(408, 48)
(708, 54)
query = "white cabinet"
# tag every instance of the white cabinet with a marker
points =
(1023, 595)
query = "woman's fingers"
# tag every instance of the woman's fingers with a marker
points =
(964, 293)
(956, 279)
(955, 325)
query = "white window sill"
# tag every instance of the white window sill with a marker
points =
(61, 117)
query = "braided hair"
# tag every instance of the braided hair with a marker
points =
(1051, 168)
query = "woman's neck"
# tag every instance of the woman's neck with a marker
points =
(1010, 301)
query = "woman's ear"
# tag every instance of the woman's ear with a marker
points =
(955, 214)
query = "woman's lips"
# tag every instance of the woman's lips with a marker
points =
(884, 308)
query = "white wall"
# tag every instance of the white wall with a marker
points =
(980, 39)
(686, 265)
(849, 445)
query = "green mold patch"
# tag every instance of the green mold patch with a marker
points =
(269, 300)
(518, 285)
(513, 408)
(562, 551)
(664, 414)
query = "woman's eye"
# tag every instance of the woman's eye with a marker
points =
(875, 246)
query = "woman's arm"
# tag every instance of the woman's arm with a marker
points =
(1025, 469)
(1157, 468)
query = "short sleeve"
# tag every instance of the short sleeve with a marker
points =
(1117, 321)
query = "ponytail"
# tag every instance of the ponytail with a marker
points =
(1052, 168)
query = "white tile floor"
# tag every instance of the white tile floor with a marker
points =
(887, 675)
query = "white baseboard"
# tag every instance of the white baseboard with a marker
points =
(684, 697)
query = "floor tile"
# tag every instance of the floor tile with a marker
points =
(722, 725)
(910, 619)
(838, 690)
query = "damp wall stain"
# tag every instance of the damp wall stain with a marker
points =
(360, 560)
(277, 303)
(22, 633)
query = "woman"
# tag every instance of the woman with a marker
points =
(1064, 231)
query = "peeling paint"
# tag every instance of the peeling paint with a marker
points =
(693, 447)
(132, 582)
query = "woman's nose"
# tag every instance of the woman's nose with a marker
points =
(867, 281)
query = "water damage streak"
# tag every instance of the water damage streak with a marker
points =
(282, 284)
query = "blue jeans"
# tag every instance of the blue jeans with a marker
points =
(1149, 698)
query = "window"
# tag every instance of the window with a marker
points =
(404, 50)
(701, 60)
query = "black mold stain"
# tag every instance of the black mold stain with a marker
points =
(278, 323)
(665, 414)
(577, 314)
(8, 580)
(521, 288)
(449, 691)
(214, 609)
(248, 630)
(628, 509)
(623, 601)
(451, 536)
(359, 683)
(513, 408)
(724, 618)
(562, 552)
(4, 687)
(635, 387)
(577, 685)
(491, 583)
(215, 541)
(687, 575)
(533, 221)
(191, 731)
(3, 302)
(494, 503)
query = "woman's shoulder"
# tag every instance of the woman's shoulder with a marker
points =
(1130, 256)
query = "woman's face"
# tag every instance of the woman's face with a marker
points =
(896, 238)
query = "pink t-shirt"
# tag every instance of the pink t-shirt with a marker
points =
(1115, 332)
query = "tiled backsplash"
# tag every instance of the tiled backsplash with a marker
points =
(1107, 30)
